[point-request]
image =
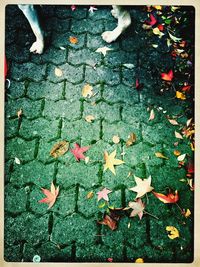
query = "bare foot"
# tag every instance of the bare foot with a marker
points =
(37, 47)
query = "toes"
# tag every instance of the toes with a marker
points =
(37, 48)
(108, 36)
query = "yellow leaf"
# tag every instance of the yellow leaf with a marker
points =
(58, 72)
(59, 149)
(131, 140)
(173, 232)
(187, 213)
(87, 160)
(90, 195)
(160, 155)
(139, 260)
(89, 118)
(156, 31)
(87, 91)
(180, 95)
(158, 7)
(177, 153)
(116, 139)
(111, 161)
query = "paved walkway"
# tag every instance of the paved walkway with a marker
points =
(53, 109)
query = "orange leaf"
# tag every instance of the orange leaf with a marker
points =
(170, 198)
(73, 40)
(167, 76)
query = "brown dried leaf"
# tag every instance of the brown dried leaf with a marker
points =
(131, 140)
(89, 118)
(87, 91)
(59, 149)
(110, 222)
(177, 153)
(19, 113)
(90, 195)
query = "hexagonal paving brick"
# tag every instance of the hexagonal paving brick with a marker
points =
(15, 199)
(62, 108)
(83, 56)
(96, 151)
(23, 150)
(9, 256)
(30, 109)
(39, 128)
(78, 172)
(27, 227)
(85, 25)
(142, 153)
(73, 74)
(33, 172)
(102, 74)
(87, 206)
(117, 58)
(45, 90)
(121, 129)
(71, 228)
(102, 111)
(121, 93)
(29, 71)
(11, 127)
(62, 40)
(81, 129)
(16, 89)
(135, 113)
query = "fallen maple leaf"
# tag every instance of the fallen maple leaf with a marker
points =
(110, 222)
(103, 194)
(73, 7)
(178, 135)
(174, 38)
(186, 213)
(111, 161)
(139, 260)
(78, 151)
(156, 31)
(180, 95)
(160, 27)
(73, 40)
(92, 9)
(131, 140)
(58, 72)
(103, 50)
(160, 155)
(167, 76)
(142, 187)
(181, 157)
(170, 198)
(51, 195)
(186, 88)
(152, 21)
(138, 85)
(173, 232)
(87, 91)
(59, 149)
(173, 122)
(152, 115)
(138, 207)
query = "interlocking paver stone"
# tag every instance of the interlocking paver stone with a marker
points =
(15, 199)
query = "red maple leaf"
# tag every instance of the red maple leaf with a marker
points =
(152, 20)
(160, 27)
(186, 88)
(78, 151)
(51, 195)
(170, 198)
(167, 76)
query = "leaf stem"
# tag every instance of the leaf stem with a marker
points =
(145, 212)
